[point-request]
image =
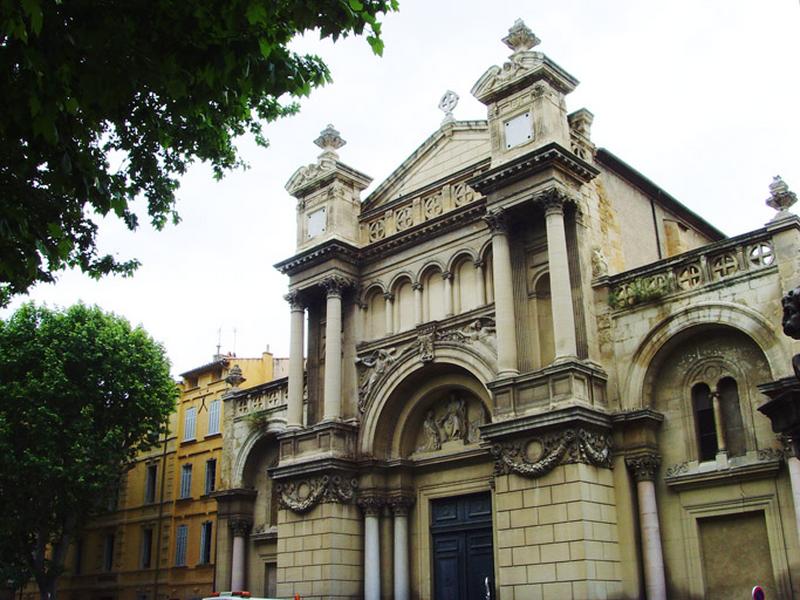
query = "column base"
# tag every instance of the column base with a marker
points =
(504, 373)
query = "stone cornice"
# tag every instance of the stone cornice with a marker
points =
(331, 249)
(552, 155)
(686, 476)
(563, 418)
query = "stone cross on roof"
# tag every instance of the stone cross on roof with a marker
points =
(330, 141)
(520, 38)
(447, 104)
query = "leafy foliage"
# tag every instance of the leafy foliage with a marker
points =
(154, 85)
(81, 392)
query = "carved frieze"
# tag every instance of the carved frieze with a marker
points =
(538, 456)
(302, 495)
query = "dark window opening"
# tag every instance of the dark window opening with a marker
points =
(704, 420)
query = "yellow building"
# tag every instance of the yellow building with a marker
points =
(159, 541)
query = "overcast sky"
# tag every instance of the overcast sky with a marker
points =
(701, 96)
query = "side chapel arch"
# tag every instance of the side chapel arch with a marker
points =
(705, 314)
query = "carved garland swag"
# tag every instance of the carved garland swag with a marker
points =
(566, 447)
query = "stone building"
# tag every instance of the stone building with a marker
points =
(530, 373)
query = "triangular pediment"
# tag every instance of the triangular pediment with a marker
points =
(454, 147)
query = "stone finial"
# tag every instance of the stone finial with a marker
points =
(520, 37)
(447, 104)
(330, 141)
(235, 377)
(780, 198)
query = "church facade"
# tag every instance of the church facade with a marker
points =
(530, 372)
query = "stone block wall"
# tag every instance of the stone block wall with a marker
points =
(320, 553)
(557, 535)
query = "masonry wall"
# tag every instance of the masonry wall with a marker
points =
(320, 553)
(557, 535)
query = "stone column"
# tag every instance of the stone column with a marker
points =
(719, 428)
(389, 298)
(417, 287)
(332, 390)
(505, 322)
(294, 412)
(793, 463)
(240, 529)
(402, 577)
(479, 283)
(448, 293)
(644, 467)
(558, 267)
(371, 506)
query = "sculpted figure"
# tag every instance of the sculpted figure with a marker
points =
(454, 422)
(431, 431)
(378, 362)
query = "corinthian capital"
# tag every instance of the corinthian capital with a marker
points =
(335, 284)
(553, 201)
(643, 466)
(371, 504)
(295, 300)
(240, 526)
(496, 220)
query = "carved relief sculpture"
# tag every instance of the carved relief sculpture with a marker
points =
(565, 447)
(376, 365)
(430, 430)
(453, 424)
(303, 495)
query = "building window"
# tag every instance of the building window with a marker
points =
(211, 475)
(720, 402)
(108, 552)
(205, 543)
(147, 547)
(150, 484)
(186, 481)
(213, 417)
(180, 545)
(704, 421)
(189, 421)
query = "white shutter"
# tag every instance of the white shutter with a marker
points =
(189, 424)
(213, 417)
(180, 545)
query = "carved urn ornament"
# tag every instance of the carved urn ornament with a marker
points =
(780, 197)
(235, 377)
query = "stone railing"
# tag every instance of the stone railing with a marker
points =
(267, 396)
(415, 210)
(693, 270)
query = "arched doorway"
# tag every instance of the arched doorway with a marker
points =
(428, 433)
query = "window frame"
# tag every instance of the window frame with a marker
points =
(185, 490)
(190, 424)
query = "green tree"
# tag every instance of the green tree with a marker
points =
(154, 84)
(81, 392)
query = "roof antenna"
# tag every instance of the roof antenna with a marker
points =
(234, 341)
(219, 343)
